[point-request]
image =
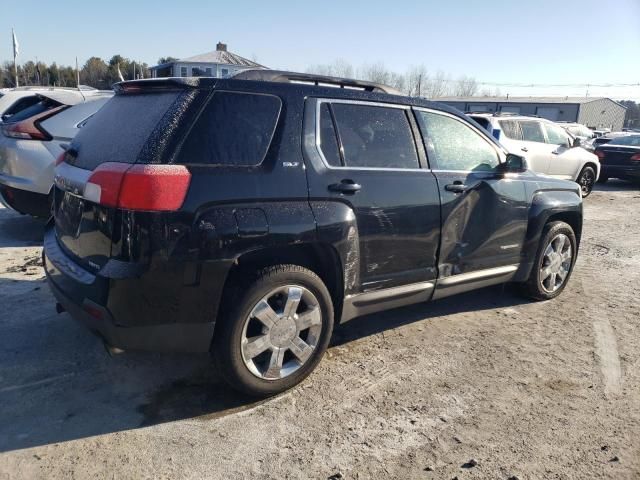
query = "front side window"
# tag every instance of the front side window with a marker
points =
(234, 129)
(452, 145)
(532, 131)
(374, 136)
(557, 135)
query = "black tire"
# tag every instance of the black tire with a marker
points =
(603, 179)
(533, 287)
(586, 180)
(227, 342)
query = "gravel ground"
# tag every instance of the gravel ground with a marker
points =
(483, 385)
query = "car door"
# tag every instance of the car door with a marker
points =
(364, 155)
(484, 212)
(535, 147)
(566, 161)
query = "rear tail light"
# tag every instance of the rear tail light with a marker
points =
(635, 158)
(30, 129)
(138, 187)
(600, 154)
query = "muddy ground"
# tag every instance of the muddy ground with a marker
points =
(483, 385)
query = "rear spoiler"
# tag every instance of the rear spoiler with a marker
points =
(152, 84)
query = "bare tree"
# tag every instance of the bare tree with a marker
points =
(437, 86)
(466, 87)
(416, 81)
(338, 68)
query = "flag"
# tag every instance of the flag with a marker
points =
(120, 73)
(16, 45)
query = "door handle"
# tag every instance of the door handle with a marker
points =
(455, 187)
(524, 149)
(345, 186)
(555, 152)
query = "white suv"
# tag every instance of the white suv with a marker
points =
(548, 148)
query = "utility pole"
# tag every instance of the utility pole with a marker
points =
(16, 50)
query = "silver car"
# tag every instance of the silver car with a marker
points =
(31, 141)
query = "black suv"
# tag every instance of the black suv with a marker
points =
(247, 216)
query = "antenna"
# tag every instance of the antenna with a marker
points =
(78, 81)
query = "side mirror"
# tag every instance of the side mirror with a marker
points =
(576, 142)
(513, 164)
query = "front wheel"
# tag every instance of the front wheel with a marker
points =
(553, 264)
(586, 180)
(275, 331)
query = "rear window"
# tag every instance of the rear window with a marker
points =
(631, 140)
(234, 129)
(118, 131)
(41, 106)
(18, 105)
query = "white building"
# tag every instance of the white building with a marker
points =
(220, 63)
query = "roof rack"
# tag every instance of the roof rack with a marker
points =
(311, 79)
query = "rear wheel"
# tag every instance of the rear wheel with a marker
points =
(586, 180)
(275, 332)
(553, 264)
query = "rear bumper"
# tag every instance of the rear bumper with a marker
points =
(84, 296)
(629, 172)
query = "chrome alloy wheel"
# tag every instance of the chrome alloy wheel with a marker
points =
(556, 263)
(281, 332)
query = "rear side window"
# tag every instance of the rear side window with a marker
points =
(118, 131)
(453, 145)
(234, 129)
(375, 137)
(328, 142)
(532, 131)
(511, 129)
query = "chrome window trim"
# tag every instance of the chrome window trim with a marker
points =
(318, 143)
(501, 153)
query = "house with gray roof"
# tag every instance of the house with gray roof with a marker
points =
(220, 63)
(594, 112)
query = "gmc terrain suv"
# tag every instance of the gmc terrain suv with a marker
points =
(247, 216)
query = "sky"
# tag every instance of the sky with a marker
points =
(495, 41)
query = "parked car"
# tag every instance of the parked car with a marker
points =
(620, 158)
(577, 130)
(31, 141)
(247, 216)
(548, 148)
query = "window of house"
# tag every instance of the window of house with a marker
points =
(224, 72)
(234, 129)
(207, 71)
(532, 131)
(452, 145)
(374, 136)
(183, 71)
